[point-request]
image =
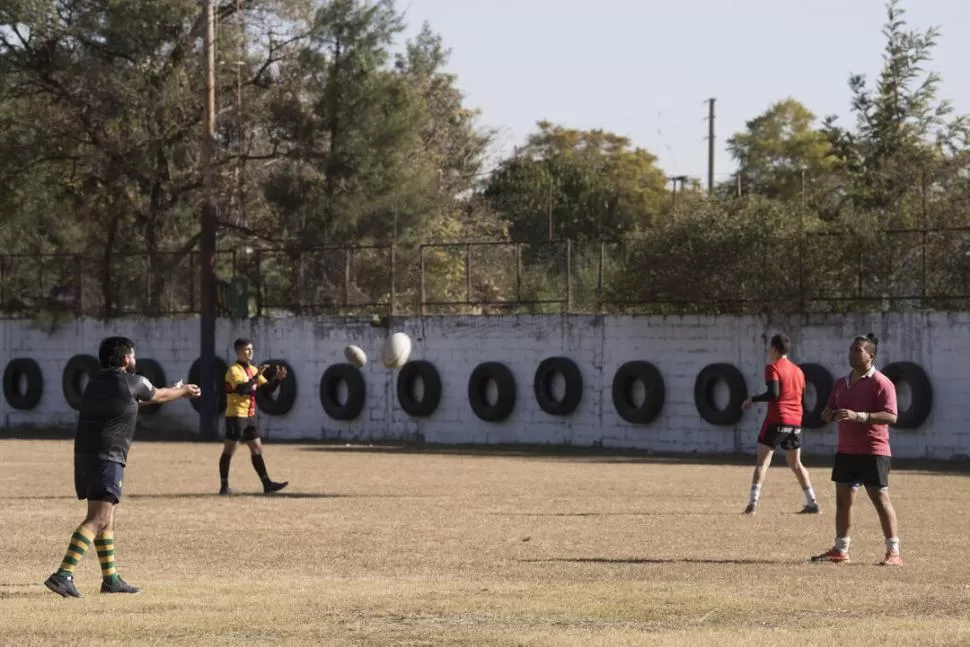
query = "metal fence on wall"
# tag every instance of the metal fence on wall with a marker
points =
(824, 272)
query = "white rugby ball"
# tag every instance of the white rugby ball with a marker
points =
(355, 355)
(397, 349)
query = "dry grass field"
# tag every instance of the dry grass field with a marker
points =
(393, 547)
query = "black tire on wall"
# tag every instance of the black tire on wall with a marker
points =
(820, 378)
(195, 374)
(280, 400)
(74, 370)
(431, 380)
(655, 392)
(478, 384)
(356, 391)
(709, 376)
(30, 370)
(154, 373)
(542, 385)
(921, 390)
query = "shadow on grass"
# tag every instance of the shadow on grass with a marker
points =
(214, 495)
(651, 560)
(616, 514)
(566, 453)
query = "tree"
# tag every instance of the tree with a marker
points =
(780, 151)
(379, 149)
(579, 185)
(105, 100)
(903, 132)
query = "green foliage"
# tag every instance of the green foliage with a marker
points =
(580, 185)
(332, 135)
(781, 151)
(903, 133)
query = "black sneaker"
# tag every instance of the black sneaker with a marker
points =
(269, 486)
(751, 509)
(810, 508)
(62, 585)
(118, 585)
(225, 490)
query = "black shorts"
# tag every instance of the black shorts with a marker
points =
(242, 429)
(785, 436)
(861, 469)
(98, 480)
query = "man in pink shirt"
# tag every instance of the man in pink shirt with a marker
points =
(864, 405)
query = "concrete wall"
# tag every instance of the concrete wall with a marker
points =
(679, 346)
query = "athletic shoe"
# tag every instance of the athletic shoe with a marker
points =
(752, 507)
(118, 585)
(892, 559)
(270, 486)
(833, 555)
(62, 585)
(810, 508)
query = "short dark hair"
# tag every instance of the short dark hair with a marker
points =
(113, 351)
(781, 343)
(871, 342)
(241, 343)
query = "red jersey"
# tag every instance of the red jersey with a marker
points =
(787, 409)
(871, 393)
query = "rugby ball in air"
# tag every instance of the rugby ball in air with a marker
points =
(397, 349)
(355, 355)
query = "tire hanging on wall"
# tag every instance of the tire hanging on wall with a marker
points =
(280, 400)
(74, 370)
(820, 378)
(195, 375)
(430, 379)
(921, 391)
(542, 385)
(154, 373)
(356, 391)
(709, 376)
(30, 370)
(478, 384)
(655, 392)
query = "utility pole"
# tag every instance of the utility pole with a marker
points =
(710, 146)
(208, 411)
(675, 179)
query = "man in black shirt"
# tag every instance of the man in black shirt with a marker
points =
(105, 429)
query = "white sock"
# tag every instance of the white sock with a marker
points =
(842, 543)
(892, 545)
(809, 495)
(755, 493)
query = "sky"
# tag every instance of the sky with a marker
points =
(645, 68)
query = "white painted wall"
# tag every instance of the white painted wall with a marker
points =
(679, 346)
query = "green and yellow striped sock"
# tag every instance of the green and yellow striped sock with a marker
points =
(80, 542)
(105, 545)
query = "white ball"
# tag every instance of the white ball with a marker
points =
(355, 355)
(397, 349)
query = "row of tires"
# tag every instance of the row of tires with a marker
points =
(280, 401)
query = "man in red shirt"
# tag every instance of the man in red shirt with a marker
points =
(864, 405)
(783, 423)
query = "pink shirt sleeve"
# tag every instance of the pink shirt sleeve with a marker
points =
(887, 396)
(831, 401)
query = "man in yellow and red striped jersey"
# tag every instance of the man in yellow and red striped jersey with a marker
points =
(242, 381)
